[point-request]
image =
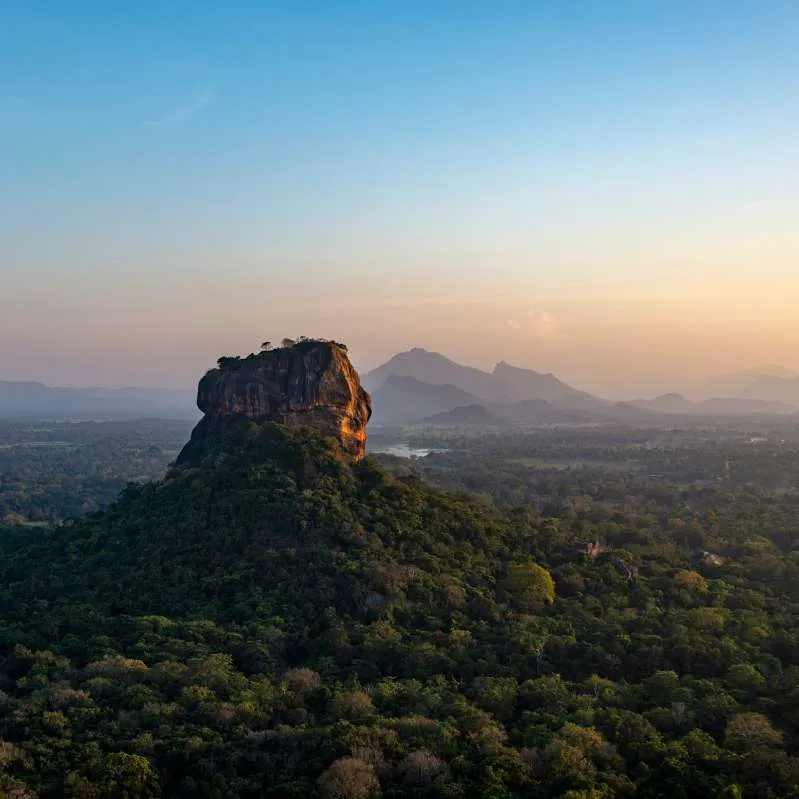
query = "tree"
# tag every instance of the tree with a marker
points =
(748, 731)
(422, 768)
(302, 680)
(125, 776)
(266, 346)
(529, 585)
(349, 778)
(355, 706)
(691, 581)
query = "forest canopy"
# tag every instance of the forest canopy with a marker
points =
(280, 622)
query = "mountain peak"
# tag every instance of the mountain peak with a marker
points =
(309, 383)
(509, 368)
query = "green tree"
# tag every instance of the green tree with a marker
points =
(124, 776)
(529, 585)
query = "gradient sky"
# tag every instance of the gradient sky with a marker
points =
(607, 190)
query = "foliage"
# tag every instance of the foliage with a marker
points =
(51, 471)
(283, 623)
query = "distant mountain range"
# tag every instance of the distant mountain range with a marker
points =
(773, 388)
(505, 384)
(466, 414)
(677, 404)
(30, 399)
(402, 398)
(423, 386)
(744, 384)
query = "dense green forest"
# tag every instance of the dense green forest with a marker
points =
(51, 471)
(283, 623)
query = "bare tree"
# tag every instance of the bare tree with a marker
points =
(349, 778)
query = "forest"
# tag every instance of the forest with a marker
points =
(581, 613)
(55, 470)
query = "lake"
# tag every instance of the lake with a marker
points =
(403, 451)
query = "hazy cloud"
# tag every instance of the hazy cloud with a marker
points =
(185, 110)
(540, 324)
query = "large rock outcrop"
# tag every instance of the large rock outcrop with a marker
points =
(311, 383)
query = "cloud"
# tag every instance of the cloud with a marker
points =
(186, 110)
(539, 324)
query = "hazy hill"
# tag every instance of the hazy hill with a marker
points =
(26, 398)
(467, 415)
(538, 411)
(517, 384)
(739, 384)
(505, 384)
(741, 405)
(406, 399)
(774, 389)
(667, 403)
(677, 404)
(434, 369)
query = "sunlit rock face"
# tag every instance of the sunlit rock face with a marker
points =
(311, 383)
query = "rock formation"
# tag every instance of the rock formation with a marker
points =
(309, 383)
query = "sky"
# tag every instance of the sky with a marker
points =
(605, 190)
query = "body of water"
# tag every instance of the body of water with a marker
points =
(403, 451)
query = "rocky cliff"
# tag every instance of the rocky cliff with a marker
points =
(311, 383)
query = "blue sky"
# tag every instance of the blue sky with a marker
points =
(185, 178)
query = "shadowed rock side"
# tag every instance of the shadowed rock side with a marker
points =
(311, 383)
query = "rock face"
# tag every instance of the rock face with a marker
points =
(311, 383)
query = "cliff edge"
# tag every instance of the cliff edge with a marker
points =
(309, 383)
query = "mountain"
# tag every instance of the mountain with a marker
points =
(538, 411)
(677, 404)
(743, 406)
(505, 384)
(31, 399)
(738, 384)
(773, 389)
(667, 403)
(515, 385)
(406, 399)
(466, 415)
(433, 369)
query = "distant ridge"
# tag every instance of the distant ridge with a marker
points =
(27, 399)
(467, 415)
(539, 411)
(772, 388)
(677, 404)
(753, 383)
(505, 384)
(406, 399)
(434, 369)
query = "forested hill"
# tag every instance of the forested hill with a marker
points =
(281, 622)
